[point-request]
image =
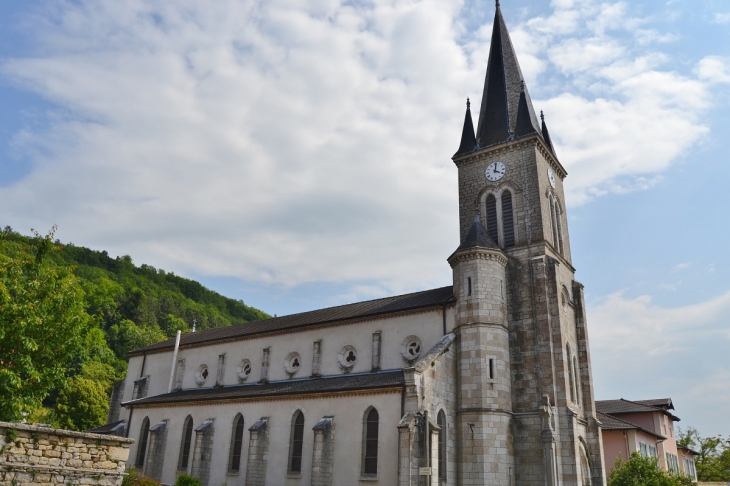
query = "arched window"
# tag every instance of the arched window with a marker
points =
(296, 442)
(144, 434)
(553, 225)
(570, 373)
(558, 218)
(508, 223)
(370, 456)
(491, 207)
(577, 380)
(441, 421)
(187, 437)
(234, 460)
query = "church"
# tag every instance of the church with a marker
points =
(486, 381)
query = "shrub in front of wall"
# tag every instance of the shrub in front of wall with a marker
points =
(187, 480)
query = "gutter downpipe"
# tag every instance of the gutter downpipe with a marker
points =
(174, 360)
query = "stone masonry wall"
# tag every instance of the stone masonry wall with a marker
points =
(41, 456)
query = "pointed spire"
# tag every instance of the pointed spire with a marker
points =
(477, 237)
(503, 91)
(524, 125)
(468, 141)
(546, 134)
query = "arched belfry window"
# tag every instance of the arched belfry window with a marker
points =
(578, 385)
(296, 442)
(570, 372)
(559, 225)
(491, 213)
(187, 438)
(553, 224)
(144, 433)
(441, 421)
(508, 223)
(370, 446)
(234, 460)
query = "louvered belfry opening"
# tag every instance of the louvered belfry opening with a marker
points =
(491, 207)
(508, 224)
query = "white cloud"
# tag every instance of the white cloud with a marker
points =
(641, 349)
(714, 69)
(721, 18)
(306, 141)
(681, 266)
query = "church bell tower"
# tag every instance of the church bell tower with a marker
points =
(525, 412)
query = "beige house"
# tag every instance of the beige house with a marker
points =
(646, 427)
(484, 381)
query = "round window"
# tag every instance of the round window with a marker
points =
(201, 374)
(243, 370)
(410, 348)
(347, 357)
(292, 363)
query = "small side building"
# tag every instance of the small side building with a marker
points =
(646, 427)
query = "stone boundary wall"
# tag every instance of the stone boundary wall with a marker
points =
(42, 456)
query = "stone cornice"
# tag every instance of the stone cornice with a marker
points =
(277, 398)
(477, 254)
(510, 146)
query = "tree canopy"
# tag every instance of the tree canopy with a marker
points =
(713, 460)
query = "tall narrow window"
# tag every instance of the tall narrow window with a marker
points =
(187, 437)
(441, 421)
(296, 442)
(578, 386)
(370, 458)
(570, 373)
(491, 368)
(234, 461)
(558, 218)
(144, 433)
(468, 284)
(491, 206)
(552, 223)
(508, 223)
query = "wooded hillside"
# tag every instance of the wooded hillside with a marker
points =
(126, 307)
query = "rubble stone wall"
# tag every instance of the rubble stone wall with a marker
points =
(40, 456)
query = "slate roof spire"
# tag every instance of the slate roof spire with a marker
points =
(546, 134)
(468, 141)
(504, 91)
(477, 237)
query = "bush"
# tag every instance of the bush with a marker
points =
(643, 471)
(134, 478)
(187, 480)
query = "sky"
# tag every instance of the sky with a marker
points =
(295, 154)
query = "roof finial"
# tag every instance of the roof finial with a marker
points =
(476, 213)
(468, 103)
(542, 116)
(497, 3)
(522, 85)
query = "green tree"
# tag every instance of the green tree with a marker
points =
(83, 404)
(713, 460)
(43, 323)
(126, 336)
(643, 471)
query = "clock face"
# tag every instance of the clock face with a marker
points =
(551, 177)
(496, 171)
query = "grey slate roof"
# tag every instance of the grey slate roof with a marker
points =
(114, 428)
(502, 89)
(665, 403)
(387, 305)
(546, 134)
(477, 237)
(613, 423)
(617, 407)
(338, 383)
(468, 140)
